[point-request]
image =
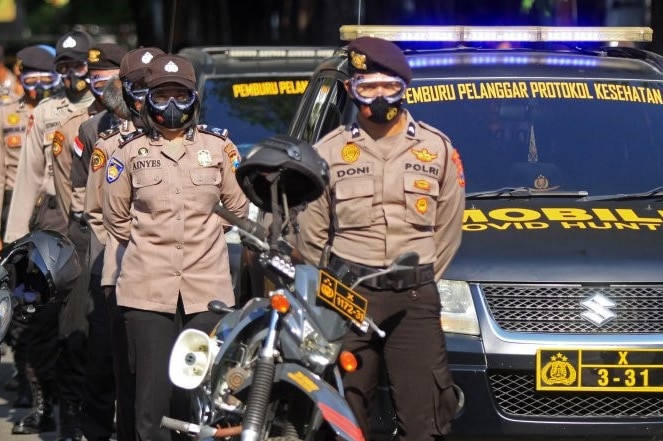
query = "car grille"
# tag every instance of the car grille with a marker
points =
(557, 308)
(516, 395)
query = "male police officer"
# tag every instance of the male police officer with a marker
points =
(35, 193)
(103, 63)
(407, 195)
(34, 66)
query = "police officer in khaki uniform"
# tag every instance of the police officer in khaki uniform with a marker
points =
(34, 206)
(107, 337)
(34, 66)
(158, 199)
(35, 189)
(397, 185)
(103, 62)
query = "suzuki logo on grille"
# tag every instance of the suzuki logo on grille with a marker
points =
(598, 309)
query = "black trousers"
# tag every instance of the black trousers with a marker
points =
(150, 338)
(414, 353)
(99, 387)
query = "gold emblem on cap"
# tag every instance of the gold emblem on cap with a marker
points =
(204, 158)
(358, 60)
(143, 151)
(350, 153)
(93, 55)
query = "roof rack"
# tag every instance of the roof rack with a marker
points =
(497, 34)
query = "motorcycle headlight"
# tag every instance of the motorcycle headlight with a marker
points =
(458, 314)
(5, 311)
(317, 349)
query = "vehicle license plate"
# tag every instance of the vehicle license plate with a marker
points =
(341, 298)
(608, 370)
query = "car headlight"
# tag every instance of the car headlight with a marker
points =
(458, 314)
(5, 311)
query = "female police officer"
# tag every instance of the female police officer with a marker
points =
(161, 188)
(396, 185)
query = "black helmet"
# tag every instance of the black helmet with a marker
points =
(46, 264)
(302, 173)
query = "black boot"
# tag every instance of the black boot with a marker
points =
(41, 418)
(70, 420)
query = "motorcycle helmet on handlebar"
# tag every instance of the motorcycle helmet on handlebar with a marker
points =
(294, 165)
(46, 264)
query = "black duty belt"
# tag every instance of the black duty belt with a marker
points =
(420, 275)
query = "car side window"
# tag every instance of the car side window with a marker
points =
(325, 110)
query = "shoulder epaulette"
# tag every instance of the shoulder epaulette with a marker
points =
(130, 138)
(221, 133)
(435, 130)
(332, 134)
(109, 132)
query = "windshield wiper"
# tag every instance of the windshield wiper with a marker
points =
(655, 192)
(523, 192)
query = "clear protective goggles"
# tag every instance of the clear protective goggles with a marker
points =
(137, 94)
(182, 97)
(78, 68)
(367, 88)
(47, 80)
(98, 82)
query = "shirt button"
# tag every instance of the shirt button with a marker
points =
(178, 246)
(177, 190)
(174, 164)
(177, 273)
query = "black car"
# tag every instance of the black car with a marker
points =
(553, 305)
(252, 92)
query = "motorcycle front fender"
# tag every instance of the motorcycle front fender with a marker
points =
(332, 406)
(231, 327)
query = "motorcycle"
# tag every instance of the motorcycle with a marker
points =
(272, 369)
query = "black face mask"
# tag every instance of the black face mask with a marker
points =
(172, 117)
(382, 112)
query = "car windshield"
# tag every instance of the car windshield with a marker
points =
(251, 108)
(598, 136)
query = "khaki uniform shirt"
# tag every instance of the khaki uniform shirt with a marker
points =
(381, 203)
(35, 168)
(159, 202)
(64, 147)
(103, 149)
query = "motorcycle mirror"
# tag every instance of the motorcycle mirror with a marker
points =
(405, 262)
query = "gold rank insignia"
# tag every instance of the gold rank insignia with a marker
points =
(422, 184)
(423, 155)
(421, 205)
(93, 55)
(57, 143)
(350, 153)
(204, 158)
(143, 151)
(358, 60)
(13, 119)
(460, 171)
(98, 159)
(114, 170)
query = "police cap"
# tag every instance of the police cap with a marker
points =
(168, 68)
(73, 46)
(105, 56)
(371, 54)
(134, 63)
(38, 57)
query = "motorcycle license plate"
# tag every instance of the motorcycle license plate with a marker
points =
(602, 370)
(341, 298)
